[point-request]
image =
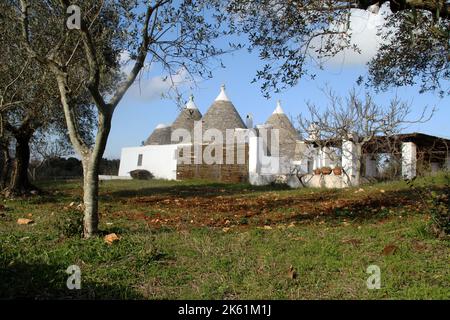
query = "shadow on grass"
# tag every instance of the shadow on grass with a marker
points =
(372, 207)
(202, 190)
(41, 281)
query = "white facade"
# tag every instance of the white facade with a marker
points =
(160, 160)
(370, 165)
(409, 159)
(349, 161)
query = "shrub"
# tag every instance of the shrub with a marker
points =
(437, 203)
(70, 223)
(439, 207)
(141, 174)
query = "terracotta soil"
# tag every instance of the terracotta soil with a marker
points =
(183, 212)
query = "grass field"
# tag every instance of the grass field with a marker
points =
(199, 240)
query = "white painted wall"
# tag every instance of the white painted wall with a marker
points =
(349, 161)
(158, 159)
(371, 166)
(409, 160)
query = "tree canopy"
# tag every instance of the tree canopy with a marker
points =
(290, 34)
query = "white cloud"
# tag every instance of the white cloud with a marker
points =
(147, 88)
(153, 88)
(364, 26)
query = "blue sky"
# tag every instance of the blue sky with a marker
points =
(142, 109)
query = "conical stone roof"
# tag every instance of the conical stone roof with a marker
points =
(222, 115)
(161, 135)
(288, 135)
(187, 117)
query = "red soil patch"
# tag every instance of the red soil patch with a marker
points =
(230, 211)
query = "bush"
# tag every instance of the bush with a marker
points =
(70, 224)
(437, 204)
(141, 174)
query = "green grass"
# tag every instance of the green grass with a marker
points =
(225, 241)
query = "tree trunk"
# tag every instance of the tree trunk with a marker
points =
(19, 181)
(91, 165)
(5, 165)
(90, 197)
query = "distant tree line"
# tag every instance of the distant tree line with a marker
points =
(67, 168)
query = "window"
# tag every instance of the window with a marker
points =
(139, 163)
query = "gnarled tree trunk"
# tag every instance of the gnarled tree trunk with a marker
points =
(19, 181)
(5, 165)
(91, 165)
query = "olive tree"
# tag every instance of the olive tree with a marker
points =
(29, 102)
(293, 35)
(175, 34)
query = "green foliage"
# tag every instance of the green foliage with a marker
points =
(69, 223)
(437, 203)
(329, 253)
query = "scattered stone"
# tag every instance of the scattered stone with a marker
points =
(225, 229)
(24, 221)
(111, 238)
(268, 227)
(294, 182)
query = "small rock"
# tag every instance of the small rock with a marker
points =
(111, 238)
(268, 227)
(24, 221)
(225, 229)
(71, 204)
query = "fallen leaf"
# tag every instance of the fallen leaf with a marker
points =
(226, 229)
(24, 221)
(267, 227)
(419, 246)
(354, 242)
(292, 274)
(389, 249)
(111, 238)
